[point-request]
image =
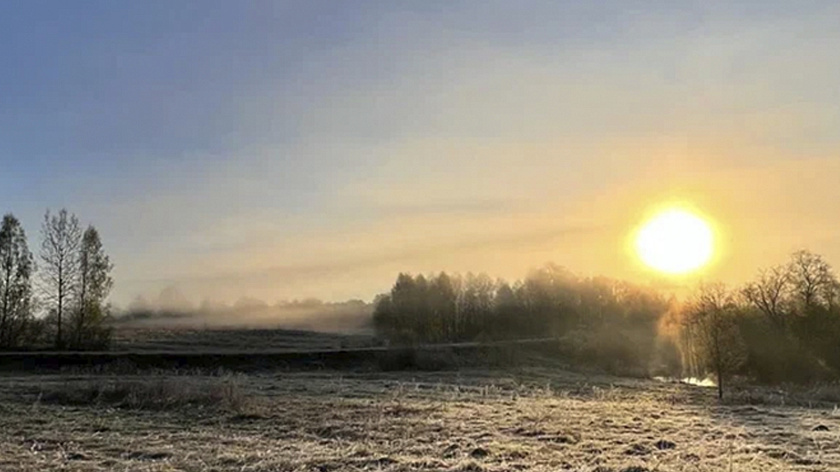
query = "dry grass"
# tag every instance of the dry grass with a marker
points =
(156, 393)
(186, 339)
(526, 419)
(823, 395)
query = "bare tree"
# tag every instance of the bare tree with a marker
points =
(770, 294)
(710, 320)
(93, 286)
(814, 283)
(16, 267)
(60, 270)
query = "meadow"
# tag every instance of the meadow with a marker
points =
(227, 339)
(534, 414)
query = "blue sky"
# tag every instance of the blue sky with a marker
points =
(285, 149)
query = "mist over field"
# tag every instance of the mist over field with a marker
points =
(171, 309)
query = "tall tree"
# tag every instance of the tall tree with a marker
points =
(710, 320)
(16, 267)
(770, 294)
(505, 310)
(442, 300)
(93, 286)
(60, 270)
(813, 280)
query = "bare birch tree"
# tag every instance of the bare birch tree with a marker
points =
(60, 270)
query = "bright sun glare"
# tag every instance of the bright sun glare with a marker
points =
(675, 241)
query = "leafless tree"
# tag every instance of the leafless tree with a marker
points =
(813, 281)
(710, 319)
(60, 270)
(770, 294)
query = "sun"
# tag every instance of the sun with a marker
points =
(675, 241)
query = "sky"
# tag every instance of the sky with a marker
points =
(283, 150)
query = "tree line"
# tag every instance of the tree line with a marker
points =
(609, 322)
(784, 326)
(60, 300)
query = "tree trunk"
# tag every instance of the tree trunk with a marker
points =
(5, 319)
(58, 343)
(82, 307)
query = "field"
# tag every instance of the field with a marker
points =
(468, 419)
(189, 339)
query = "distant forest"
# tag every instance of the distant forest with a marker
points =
(782, 327)
(60, 300)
